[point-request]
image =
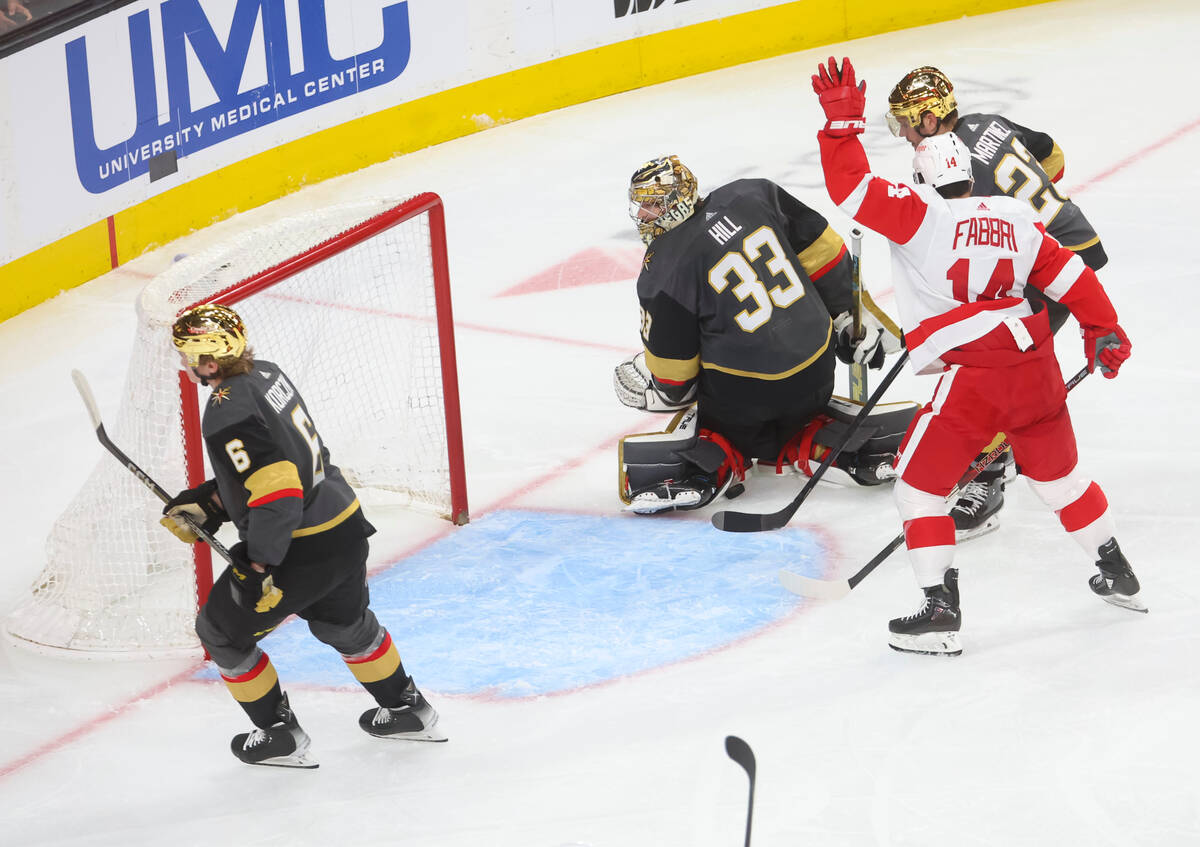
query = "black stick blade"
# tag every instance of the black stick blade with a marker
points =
(741, 753)
(749, 521)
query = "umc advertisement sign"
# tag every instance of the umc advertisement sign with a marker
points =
(156, 94)
(216, 86)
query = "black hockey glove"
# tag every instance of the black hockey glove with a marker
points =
(252, 590)
(868, 350)
(198, 504)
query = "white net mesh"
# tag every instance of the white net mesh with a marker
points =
(356, 332)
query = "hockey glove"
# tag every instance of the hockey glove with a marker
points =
(634, 385)
(198, 504)
(252, 590)
(1106, 348)
(843, 101)
(868, 350)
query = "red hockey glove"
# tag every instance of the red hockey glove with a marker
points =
(843, 101)
(1106, 347)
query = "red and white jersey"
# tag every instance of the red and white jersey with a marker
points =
(960, 266)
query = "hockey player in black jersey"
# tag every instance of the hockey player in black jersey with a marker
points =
(745, 306)
(303, 547)
(1006, 158)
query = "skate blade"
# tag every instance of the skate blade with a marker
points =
(927, 643)
(1125, 602)
(989, 525)
(304, 761)
(429, 733)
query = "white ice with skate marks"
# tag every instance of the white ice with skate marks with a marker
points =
(1065, 721)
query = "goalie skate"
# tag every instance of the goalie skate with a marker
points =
(693, 493)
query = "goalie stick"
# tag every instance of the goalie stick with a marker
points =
(758, 522)
(740, 752)
(89, 400)
(858, 370)
(834, 589)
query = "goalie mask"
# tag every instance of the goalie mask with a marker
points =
(941, 160)
(924, 90)
(209, 330)
(662, 195)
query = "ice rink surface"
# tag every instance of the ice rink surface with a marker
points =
(587, 664)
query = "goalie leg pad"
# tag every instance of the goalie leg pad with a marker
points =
(684, 467)
(868, 457)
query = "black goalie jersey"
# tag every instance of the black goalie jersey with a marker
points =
(1007, 158)
(739, 297)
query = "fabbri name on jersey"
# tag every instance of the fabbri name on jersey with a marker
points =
(220, 85)
(985, 232)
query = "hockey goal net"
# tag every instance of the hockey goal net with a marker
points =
(354, 303)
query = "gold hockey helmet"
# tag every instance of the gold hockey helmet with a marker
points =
(922, 90)
(662, 195)
(209, 330)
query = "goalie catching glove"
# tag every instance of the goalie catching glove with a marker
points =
(634, 385)
(252, 589)
(870, 350)
(198, 504)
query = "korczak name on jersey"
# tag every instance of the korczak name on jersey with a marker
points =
(280, 394)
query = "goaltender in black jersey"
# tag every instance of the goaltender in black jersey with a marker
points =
(745, 307)
(303, 547)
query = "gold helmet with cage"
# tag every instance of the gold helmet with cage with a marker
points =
(209, 330)
(662, 195)
(922, 90)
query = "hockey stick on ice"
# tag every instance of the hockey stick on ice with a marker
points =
(741, 753)
(833, 589)
(758, 522)
(89, 400)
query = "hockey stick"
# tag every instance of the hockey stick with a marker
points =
(741, 753)
(758, 522)
(89, 400)
(834, 589)
(858, 370)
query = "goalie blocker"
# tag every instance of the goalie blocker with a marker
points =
(686, 467)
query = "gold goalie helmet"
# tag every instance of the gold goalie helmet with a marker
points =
(662, 195)
(209, 330)
(923, 90)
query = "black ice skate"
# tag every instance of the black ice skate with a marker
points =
(412, 720)
(283, 745)
(1116, 583)
(977, 510)
(933, 628)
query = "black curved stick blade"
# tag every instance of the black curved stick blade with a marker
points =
(750, 521)
(741, 753)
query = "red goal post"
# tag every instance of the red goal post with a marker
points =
(353, 302)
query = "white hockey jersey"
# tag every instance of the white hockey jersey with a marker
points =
(960, 266)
